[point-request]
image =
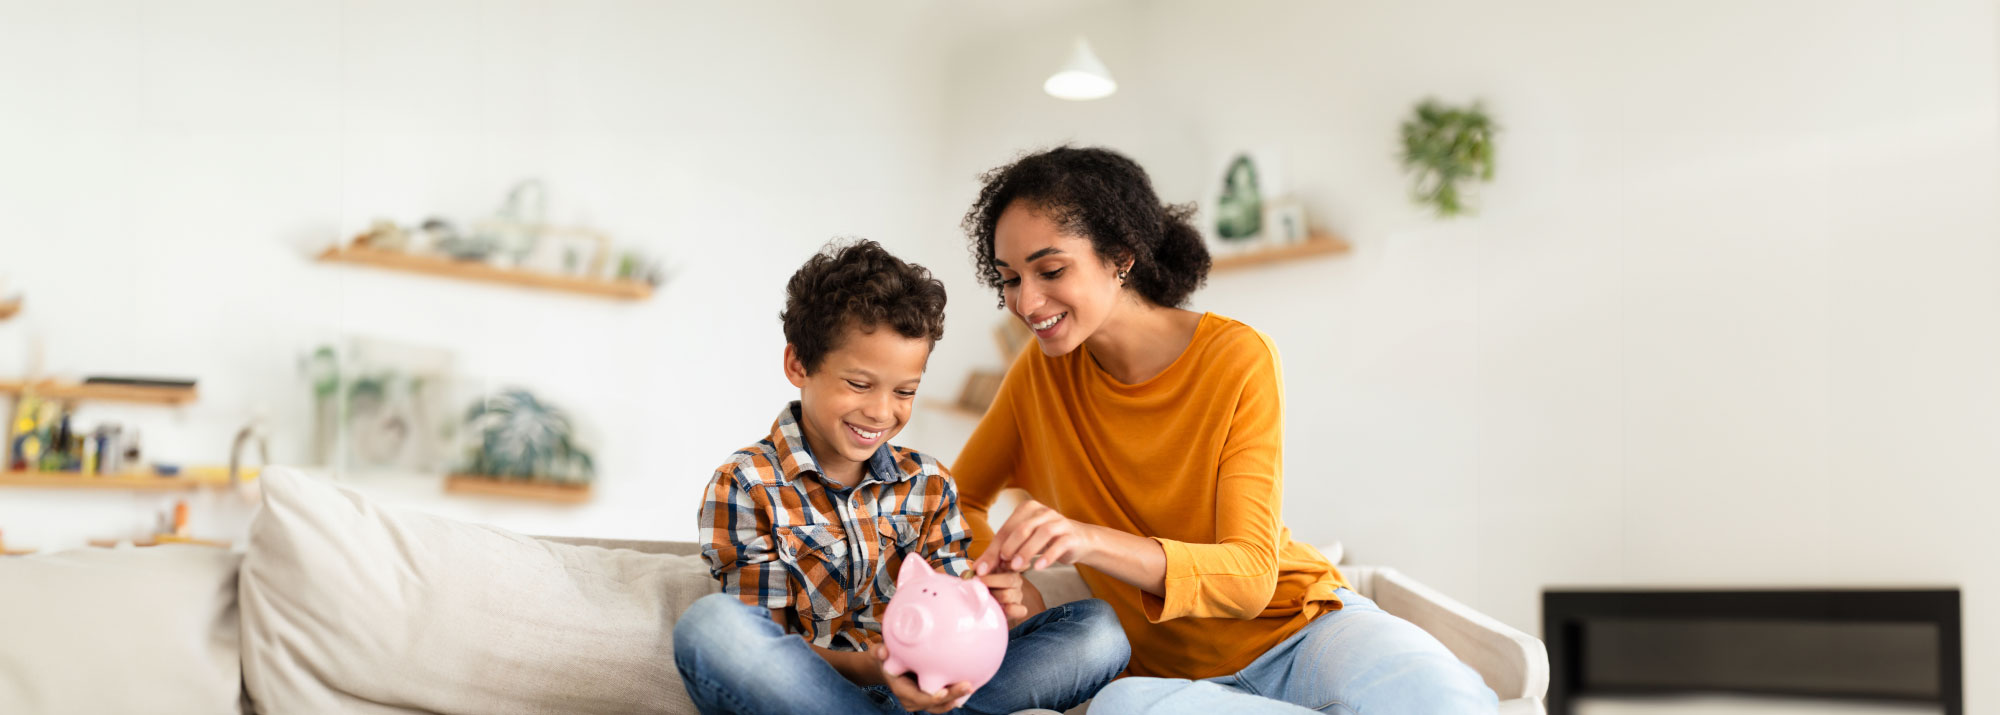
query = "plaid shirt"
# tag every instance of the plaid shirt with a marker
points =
(777, 533)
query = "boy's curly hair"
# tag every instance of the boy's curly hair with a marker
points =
(1101, 195)
(858, 283)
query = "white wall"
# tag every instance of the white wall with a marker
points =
(1727, 315)
(170, 170)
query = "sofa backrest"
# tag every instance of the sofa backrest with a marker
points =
(670, 548)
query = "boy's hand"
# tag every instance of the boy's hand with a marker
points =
(1036, 536)
(1006, 587)
(910, 695)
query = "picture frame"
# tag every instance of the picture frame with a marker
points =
(568, 250)
(1241, 181)
(383, 405)
(1285, 222)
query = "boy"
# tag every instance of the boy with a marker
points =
(806, 528)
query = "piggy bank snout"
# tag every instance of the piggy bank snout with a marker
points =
(910, 624)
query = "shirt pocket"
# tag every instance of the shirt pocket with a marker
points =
(902, 536)
(818, 558)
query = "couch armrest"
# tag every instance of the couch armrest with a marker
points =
(1514, 664)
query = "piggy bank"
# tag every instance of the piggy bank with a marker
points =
(944, 629)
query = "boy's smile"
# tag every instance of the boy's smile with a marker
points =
(858, 398)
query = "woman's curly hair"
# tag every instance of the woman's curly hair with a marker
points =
(858, 283)
(1101, 195)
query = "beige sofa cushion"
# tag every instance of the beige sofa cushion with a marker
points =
(119, 631)
(349, 606)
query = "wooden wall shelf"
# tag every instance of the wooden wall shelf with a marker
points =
(953, 409)
(131, 482)
(489, 486)
(158, 540)
(474, 271)
(54, 390)
(1323, 244)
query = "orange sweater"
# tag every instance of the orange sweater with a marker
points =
(1191, 458)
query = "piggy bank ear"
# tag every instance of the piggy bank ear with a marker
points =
(914, 570)
(977, 598)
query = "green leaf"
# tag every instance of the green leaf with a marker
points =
(1443, 146)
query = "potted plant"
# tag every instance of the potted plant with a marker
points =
(520, 437)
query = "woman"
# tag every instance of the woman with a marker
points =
(1149, 440)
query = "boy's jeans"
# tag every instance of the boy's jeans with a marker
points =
(1358, 659)
(734, 659)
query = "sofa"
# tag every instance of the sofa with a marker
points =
(336, 604)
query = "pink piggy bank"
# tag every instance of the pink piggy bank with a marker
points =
(945, 629)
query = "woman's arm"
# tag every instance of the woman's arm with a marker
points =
(1232, 578)
(1236, 576)
(1130, 558)
(1036, 536)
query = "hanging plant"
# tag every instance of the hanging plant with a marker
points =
(1442, 146)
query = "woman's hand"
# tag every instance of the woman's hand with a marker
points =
(913, 697)
(1036, 536)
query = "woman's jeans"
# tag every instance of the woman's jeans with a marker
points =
(1358, 659)
(734, 659)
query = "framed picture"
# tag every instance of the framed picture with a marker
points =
(1239, 203)
(568, 250)
(1242, 182)
(1285, 221)
(381, 405)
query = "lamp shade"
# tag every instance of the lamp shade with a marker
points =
(1081, 78)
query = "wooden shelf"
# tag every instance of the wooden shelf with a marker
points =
(9, 307)
(476, 271)
(954, 409)
(158, 540)
(51, 389)
(1314, 245)
(129, 482)
(489, 486)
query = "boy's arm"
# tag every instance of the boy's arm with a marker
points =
(858, 667)
(741, 547)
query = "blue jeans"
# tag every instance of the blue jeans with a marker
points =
(1358, 659)
(734, 659)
